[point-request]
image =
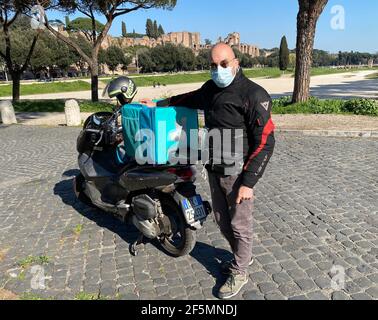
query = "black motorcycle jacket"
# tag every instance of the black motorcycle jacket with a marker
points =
(242, 105)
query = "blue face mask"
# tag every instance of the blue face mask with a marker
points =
(223, 77)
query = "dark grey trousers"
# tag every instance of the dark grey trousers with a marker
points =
(234, 221)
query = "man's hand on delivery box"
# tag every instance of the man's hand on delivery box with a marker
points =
(148, 103)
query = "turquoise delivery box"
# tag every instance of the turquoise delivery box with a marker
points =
(158, 135)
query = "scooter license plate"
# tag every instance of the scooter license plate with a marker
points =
(194, 208)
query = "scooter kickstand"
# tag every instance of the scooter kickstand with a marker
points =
(134, 246)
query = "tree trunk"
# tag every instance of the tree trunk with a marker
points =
(94, 81)
(308, 15)
(16, 79)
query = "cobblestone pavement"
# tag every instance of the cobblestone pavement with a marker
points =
(316, 215)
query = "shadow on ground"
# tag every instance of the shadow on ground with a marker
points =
(64, 189)
(209, 256)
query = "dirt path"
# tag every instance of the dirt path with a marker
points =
(342, 85)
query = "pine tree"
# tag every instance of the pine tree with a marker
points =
(124, 30)
(161, 30)
(67, 22)
(284, 54)
(156, 31)
(149, 28)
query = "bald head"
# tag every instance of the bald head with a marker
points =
(222, 54)
(222, 51)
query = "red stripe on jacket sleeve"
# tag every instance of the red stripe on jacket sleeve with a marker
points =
(268, 129)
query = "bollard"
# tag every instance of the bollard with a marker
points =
(7, 112)
(72, 111)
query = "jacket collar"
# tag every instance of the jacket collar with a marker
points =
(239, 76)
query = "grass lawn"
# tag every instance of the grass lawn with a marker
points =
(53, 87)
(326, 70)
(58, 106)
(148, 81)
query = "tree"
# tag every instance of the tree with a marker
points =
(145, 61)
(110, 10)
(161, 30)
(284, 54)
(307, 18)
(115, 57)
(149, 28)
(321, 58)
(84, 25)
(17, 41)
(208, 42)
(124, 30)
(185, 60)
(67, 20)
(203, 59)
(156, 31)
(50, 53)
(166, 58)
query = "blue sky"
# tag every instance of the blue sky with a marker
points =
(261, 22)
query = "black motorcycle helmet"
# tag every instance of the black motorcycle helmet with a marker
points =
(122, 88)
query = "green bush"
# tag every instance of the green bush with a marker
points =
(318, 106)
(328, 106)
(281, 102)
(361, 107)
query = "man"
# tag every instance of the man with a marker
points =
(231, 101)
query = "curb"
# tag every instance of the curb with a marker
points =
(332, 133)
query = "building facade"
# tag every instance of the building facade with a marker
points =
(190, 40)
(233, 39)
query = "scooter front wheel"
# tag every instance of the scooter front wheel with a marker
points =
(182, 239)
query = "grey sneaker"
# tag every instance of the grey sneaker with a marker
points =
(226, 266)
(233, 285)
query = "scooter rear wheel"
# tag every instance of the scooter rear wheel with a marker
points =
(183, 239)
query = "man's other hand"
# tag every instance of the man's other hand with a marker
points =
(245, 194)
(148, 102)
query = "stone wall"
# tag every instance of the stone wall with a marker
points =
(233, 39)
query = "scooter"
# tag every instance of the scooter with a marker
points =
(159, 200)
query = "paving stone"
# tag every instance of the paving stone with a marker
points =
(296, 274)
(360, 296)
(253, 295)
(340, 295)
(129, 296)
(317, 295)
(281, 278)
(275, 296)
(289, 289)
(373, 292)
(323, 282)
(303, 226)
(301, 297)
(267, 287)
(306, 284)
(259, 277)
